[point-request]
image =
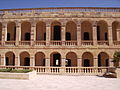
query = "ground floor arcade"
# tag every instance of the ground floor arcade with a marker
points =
(57, 59)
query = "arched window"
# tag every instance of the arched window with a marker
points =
(8, 36)
(26, 61)
(86, 63)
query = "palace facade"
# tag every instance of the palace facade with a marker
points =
(59, 37)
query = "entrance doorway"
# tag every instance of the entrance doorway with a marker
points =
(57, 33)
(86, 62)
(56, 59)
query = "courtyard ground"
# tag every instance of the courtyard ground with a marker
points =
(58, 82)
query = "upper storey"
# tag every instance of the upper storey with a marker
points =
(62, 12)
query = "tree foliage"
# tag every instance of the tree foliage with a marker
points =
(117, 56)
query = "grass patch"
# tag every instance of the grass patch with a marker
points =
(15, 70)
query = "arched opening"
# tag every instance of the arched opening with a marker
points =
(11, 31)
(55, 59)
(25, 31)
(10, 59)
(0, 31)
(103, 59)
(71, 31)
(102, 30)
(40, 31)
(86, 30)
(56, 31)
(71, 59)
(87, 59)
(24, 59)
(39, 59)
(115, 26)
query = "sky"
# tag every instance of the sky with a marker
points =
(10, 4)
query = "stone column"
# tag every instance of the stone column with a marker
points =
(110, 38)
(17, 60)
(33, 33)
(63, 62)
(94, 34)
(47, 62)
(79, 62)
(48, 32)
(118, 34)
(63, 34)
(111, 64)
(4, 33)
(18, 33)
(79, 35)
(32, 60)
(95, 60)
(3, 61)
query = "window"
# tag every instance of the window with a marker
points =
(68, 36)
(106, 36)
(86, 36)
(98, 32)
(8, 36)
(57, 33)
(27, 36)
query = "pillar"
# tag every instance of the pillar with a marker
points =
(111, 64)
(4, 33)
(79, 62)
(3, 61)
(63, 62)
(110, 38)
(33, 33)
(18, 33)
(94, 34)
(47, 62)
(118, 34)
(95, 60)
(63, 34)
(32, 60)
(78, 35)
(48, 34)
(17, 60)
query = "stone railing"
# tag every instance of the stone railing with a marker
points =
(24, 43)
(70, 43)
(87, 42)
(64, 70)
(59, 9)
(55, 43)
(116, 42)
(40, 43)
(103, 42)
(10, 43)
(58, 43)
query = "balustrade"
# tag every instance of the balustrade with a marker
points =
(63, 70)
(40, 43)
(55, 43)
(24, 43)
(87, 42)
(70, 43)
(10, 43)
(116, 42)
(103, 43)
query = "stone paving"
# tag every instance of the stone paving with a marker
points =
(57, 82)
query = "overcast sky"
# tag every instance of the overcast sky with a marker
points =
(7, 4)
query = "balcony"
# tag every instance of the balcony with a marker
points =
(40, 43)
(116, 43)
(24, 43)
